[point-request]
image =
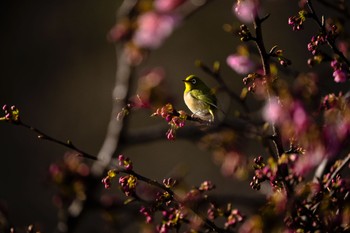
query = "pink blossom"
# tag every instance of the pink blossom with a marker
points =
(153, 29)
(231, 163)
(245, 9)
(299, 117)
(339, 76)
(166, 5)
(343, 129)
(331, 139)
(272, 110)
(107, 182)
(307, 162)
(241, 64)
(170, 134)
(343, 46)
(118, 32)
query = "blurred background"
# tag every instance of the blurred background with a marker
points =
(59, 69)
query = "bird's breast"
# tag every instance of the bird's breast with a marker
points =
(196, 106)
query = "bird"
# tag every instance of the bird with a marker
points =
(199, 98)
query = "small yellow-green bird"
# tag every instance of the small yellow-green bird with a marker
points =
(199, 98)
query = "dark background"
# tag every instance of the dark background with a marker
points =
(58, 69)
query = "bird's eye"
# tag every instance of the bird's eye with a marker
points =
(194, 81)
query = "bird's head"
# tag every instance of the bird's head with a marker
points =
(193, 82)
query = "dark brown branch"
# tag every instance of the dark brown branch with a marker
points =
(217, 77)
(67, 144)
(190, 132)
(211, 225)
(265, 60)
(330, 41)
(345, 161)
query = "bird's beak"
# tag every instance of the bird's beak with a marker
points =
(185, 81)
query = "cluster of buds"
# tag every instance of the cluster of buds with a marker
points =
(318, 205)
(11, 114)
(169, 182)
(336, 184)
(321, 205)
(234, 217)
(282, 60)
(176, 119)
(330, 101)
(127, 183)
(174, 210)
(206, 186)
(196, 193)
(253, 81)
(279, 173)
(244, 33)
(297, 21)
(315, 43)
(148, 213)
(172, 213)
(231, 215)
(125, 162)
(107, 180)
(171, 219)
(340, 71)
(262, 173)
(315, 59)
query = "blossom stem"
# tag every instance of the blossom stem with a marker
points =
(322, 27)
(265, 60)
(345, 161)
(259, 41)
(173, 197)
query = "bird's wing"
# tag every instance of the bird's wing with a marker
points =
(208, 99)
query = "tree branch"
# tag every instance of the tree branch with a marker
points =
(265, 60)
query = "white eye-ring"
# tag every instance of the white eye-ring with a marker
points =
(194, 81)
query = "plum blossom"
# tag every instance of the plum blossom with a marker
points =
(299, 116)
(339, 76)
(153, 29)
(245, 9)
(312, 158)
(340, 73)
(240, 63)
(166, 5)
(272, 110)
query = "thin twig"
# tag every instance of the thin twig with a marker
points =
(330, 42)
(217, 76)
(68, 143)
(345, 161)
(265, 60)
(175, 198)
